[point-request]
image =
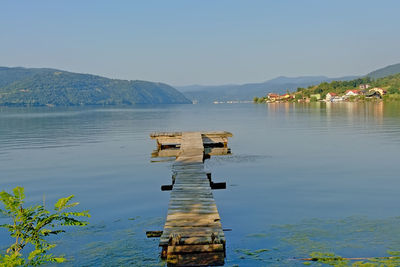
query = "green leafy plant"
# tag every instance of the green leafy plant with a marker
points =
(31, 225)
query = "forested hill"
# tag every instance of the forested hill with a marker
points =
(386, 71)
(39, 87)
(390, 83)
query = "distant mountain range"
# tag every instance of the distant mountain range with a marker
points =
(39, 87)
(43, 86)
(243, 92)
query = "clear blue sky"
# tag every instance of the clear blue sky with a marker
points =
(204, 41)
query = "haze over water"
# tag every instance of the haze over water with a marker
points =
(309, 165)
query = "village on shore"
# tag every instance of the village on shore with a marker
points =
(363, 93)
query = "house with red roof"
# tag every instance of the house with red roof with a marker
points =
(329, 96)
(353, 92)
(273, 96)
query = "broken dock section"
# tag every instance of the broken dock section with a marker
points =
(192, 234)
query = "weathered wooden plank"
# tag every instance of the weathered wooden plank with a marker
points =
(186, 195)
(183, 217)
(192, 182)
(197, 205)
(195, 248)
(199, 187)
(189, 198)
(193, 178)
(182, 210)
(201, 212)
(191, 230)
(185, 208)
(184, 199)
(191, 239)
(178, 134)
(199, 223)
(210, 217)
(195, 231)
(194, 192)
(187, 166)
(188, 179)
(214, 234)
(198, 228)
(192, 206)
(195, 239)
(197, 259)
(192, 201)
(192, 216)
(201, 204)
(192, 170)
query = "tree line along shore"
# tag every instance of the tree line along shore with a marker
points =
(360, 89)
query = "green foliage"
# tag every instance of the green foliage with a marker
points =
(261, 100)
(60, 88)
(318, 90)
(31, 225)
(392, 97)
(393, 90)
(390, 83)
(386, 71)
(298, 96)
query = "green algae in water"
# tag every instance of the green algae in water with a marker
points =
(257, 235)
(330, 259)
(353, 234)
(351, 237)
(119, 243)
(253, 254)
(261, 250)
(124, 243)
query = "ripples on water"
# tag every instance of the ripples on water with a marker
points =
(290, 163)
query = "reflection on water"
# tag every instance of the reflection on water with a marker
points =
(291, 162)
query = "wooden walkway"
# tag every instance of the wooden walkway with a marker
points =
(192, 234)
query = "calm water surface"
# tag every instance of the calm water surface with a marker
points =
(302, 177)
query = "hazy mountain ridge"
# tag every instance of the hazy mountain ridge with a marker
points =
(281, 84)
(38, 87)
(246, 92)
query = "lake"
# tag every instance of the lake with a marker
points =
(301, 178)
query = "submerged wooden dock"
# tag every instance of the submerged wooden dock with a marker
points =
(192, 234)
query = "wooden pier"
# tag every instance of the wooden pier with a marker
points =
(192, 234)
